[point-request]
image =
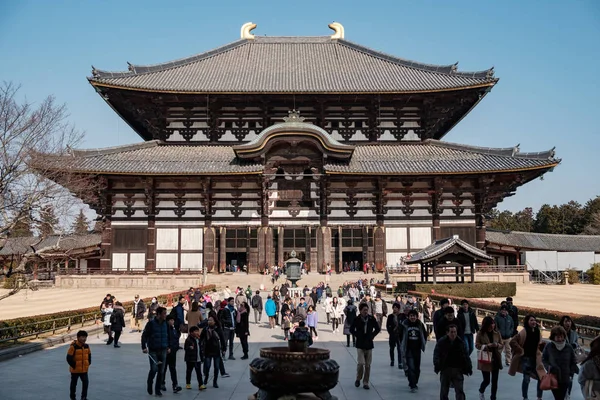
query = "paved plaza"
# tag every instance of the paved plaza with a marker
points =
(121, 373)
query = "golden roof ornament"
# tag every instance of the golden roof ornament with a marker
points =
(338, 29)
(293, 116)
(245, 32)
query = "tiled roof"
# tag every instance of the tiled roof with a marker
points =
(18, 245)
(543, 241)
(440, 246)
(25, 245)
(434, 156)
(293, 65)
(427, 157)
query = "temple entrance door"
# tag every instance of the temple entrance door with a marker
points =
(353, 256)
(238, 259)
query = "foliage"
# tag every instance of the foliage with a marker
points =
(81, 224)
(43, 322)
(594, 274)
(540, 313)
(573, 275)
(48, 221)
(23, 227)
(10, 282)
(464, 290)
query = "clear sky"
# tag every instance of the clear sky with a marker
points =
(546, 54)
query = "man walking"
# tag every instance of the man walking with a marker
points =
(451, 361)
(257, 306)
(155, 343)
(414, 338)
(364, 328)
(138, 311)
(394, 328)
(513, 311)
(469, 321)
(505, 325)
(227, 318)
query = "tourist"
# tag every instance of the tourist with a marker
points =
(451, 361)
(559, 360)
(394, 328)
(213, 345)
(449, 319)
(428, 310)
(327, 306)
(589, 374)
(242, 327)
(312, 319)
(342, 302)
(173, 345)
(336, 315)
(108, 310)
(152, 308)
(79, 358)
(302, 309)
(117, 322)
(526, 355)
(350, 313)
(513, 311)
(277, 301)
(227, 318)
(240, 298)
(380, 309)
(413, 341)
(369, 303)
(301, 334)
(257, 306)
(194, 316)
(439, 314)
(489, 340)
(193, 358)
(156, 344)
(572, 340)
(364, 328)
(505, 326)
(469, 321)
(248, 293)
(286, 323)
(271, 311)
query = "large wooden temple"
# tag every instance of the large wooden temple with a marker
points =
(273, 144)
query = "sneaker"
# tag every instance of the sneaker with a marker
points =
(158, 393)
(481, 396)
(231, 357)
(177, 389)
(225, 375)
(117, 346)
(188, 386)
(202, 387)
(366, 387)
(215, 385)
(163, 388)
(400, 366)
(413, 390)
(245, 357)
(357, 383)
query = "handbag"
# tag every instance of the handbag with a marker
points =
(549, 382)
(183, 328)
(484, 357)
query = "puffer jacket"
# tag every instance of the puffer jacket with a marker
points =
(561, 363)
(155, 336)
(79, 358)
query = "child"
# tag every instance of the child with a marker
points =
(193, 357)
(173, 340)
(286, 324)
(79, 358)
(107, 314)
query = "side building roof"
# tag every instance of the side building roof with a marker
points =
(543, 241)
(293, 65)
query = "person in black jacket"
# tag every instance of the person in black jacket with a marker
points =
(364, 328)
(394, 328)
(257, 306)
(439, 313)
(442, 326)
(242, 328)
(227, 317)
(469, 320)
(117, 322)
(213, 348)
(451, 361)
(155, 343)
(173, 340)
(513, 311)
(193, 358)
(350, 313)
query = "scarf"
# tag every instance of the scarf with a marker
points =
(238, 317)
(559, 346)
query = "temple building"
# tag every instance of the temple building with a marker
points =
(272, 144)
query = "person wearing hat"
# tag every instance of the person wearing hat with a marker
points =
(138, 312)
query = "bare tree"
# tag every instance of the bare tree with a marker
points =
(593, 227)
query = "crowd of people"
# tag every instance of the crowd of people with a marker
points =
(208, 323)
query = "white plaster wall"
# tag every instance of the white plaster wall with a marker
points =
(119, 261)
(137, 261)
(420, 237)
(191, 239)
(581, 261)
(166, 261)
(167, 239)
(191, 262)
(396, 238)
(83, 265)
(541, 260)
(393, 257)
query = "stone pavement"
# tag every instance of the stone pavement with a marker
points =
(121, 373)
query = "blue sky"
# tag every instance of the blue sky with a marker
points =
(546, 54)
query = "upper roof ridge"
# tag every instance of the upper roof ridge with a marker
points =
(115, 149)
(500, 151)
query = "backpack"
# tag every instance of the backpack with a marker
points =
(255, 302)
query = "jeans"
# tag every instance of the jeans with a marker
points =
(229, 336)
(257, 315)
(486, 381)
(84, 385)
(244, 342)
(172, 365)
(158, 368)
(189, 366)
(455, 377)
(469, 343)
(413, 364)
(363, 368)
(216, 364)
(528, 366)
(379, 318)
(394, 342)
(313, 331)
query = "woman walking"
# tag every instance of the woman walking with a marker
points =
(242, 327)
(489, 341)
(559, 359)
(350, 312)
(526, 355)
(194, 316)
(312, 319)
(336, 315)
(213, 347)
(572, 340)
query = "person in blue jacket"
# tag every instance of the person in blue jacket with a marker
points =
(271, 311)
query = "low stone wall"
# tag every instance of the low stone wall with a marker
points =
(167, 282)
(520, 278)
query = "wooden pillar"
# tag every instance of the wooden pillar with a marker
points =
(437, 231)
(426, 266)
(280, 246)
(480, 230)
(35, 270)
(222, 249)
(457, 273)
(209, 239)
(338, 268)
(365, 244)
(472, 272)
(151, 245)
(480, 197)
(307, 250)
(434, 266)
(105, 247)
(379, 244)
(323, 248)
(436, 200)
(518, 250)
(462, 273)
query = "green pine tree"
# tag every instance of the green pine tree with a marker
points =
(23, 227)
(48, 221)
(81, 224)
